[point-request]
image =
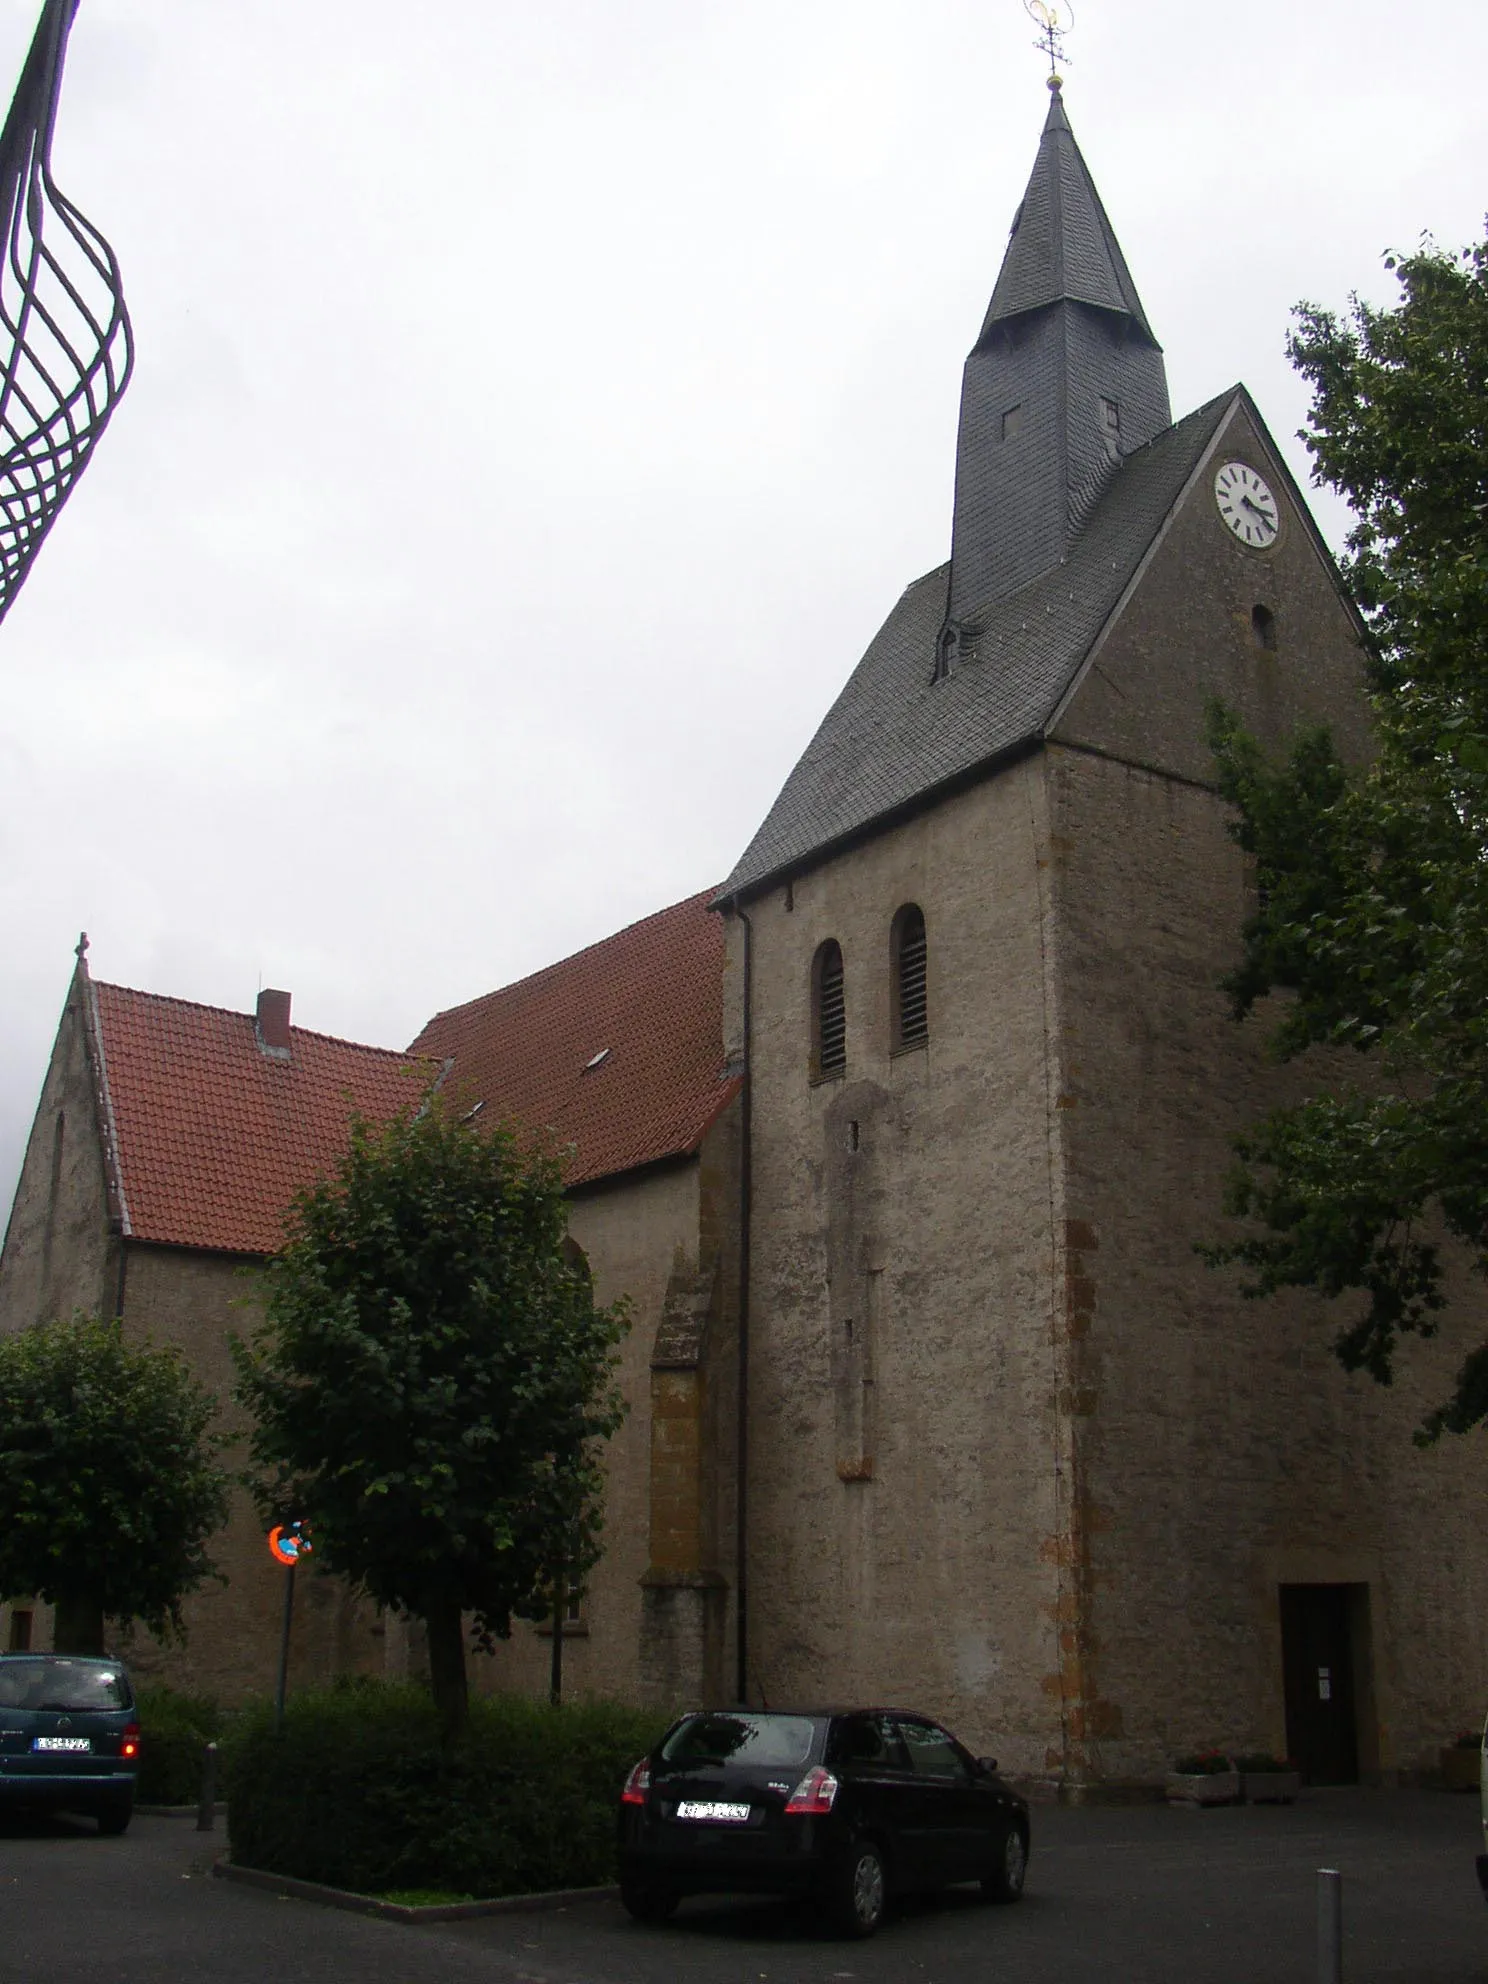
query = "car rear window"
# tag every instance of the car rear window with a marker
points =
(741, 1739)
(62, 1684)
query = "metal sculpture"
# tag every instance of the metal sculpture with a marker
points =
(1054, 23)
(66, 345)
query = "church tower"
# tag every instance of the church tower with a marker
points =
(1014, 1454)
(1064, 379)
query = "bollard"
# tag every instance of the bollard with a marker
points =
(206, 1810)
(1330, 1926)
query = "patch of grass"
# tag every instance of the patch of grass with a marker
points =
(424, 1897)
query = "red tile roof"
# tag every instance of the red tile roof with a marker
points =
(649, 999)
(214, 1137)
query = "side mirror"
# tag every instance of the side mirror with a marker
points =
(987, 1766)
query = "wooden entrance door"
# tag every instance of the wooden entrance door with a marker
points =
(1318, 1675)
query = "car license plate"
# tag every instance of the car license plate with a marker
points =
(719, 1810)
(62, 1743)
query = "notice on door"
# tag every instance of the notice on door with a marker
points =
(1325, 1684)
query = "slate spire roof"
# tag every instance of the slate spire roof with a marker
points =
(1062, 248)
(1065, 379)
(1067, 466)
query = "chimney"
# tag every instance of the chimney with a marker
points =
(273, 1024)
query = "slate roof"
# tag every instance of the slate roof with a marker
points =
(212, 1136)
(1063, 248)
(895, 735)
(649, 999)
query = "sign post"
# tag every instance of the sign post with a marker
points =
(288, 1542)
(560, 1610)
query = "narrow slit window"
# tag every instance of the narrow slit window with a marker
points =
(1263, 627)
(829, 1012)
(907, 962)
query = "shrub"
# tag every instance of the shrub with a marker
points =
(1203, 1763)
(358, 1792)
(175, 1728)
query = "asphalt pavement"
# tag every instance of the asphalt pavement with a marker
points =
(1141, 1895)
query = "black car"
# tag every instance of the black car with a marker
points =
(69, 1736)
(847, 1806)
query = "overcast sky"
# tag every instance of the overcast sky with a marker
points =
(538, 408)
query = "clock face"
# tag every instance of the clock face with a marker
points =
(1247, 505)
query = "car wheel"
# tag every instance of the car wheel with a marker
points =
(114, 1817)
(644, 1903)
(862, 1890)
(1009, 1867)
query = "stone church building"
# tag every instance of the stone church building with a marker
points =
(901, 1140)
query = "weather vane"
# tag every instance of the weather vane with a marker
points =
(1055, 19)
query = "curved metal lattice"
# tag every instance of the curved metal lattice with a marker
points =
(68, 346)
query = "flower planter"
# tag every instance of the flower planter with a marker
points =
(1459, 1768)
(1217, 1787)
(1271, 1787)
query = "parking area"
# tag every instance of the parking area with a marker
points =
(1144, 1895)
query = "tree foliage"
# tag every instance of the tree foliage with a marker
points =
(433, 1381)
(1373, 881)
(109, 1485)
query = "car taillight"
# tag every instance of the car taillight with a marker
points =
(637, 1784)
(130, 1745)
(814, 1794)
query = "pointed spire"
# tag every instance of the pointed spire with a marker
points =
(1062, 247)
(1065, 378)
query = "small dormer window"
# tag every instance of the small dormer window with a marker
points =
(1110, 413)
(945, 653)
(1012, 421)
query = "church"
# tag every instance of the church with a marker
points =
(901, 1140)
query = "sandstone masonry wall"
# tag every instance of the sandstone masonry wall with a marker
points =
(1219, 1448)
(58, 1254)
(905, 1533)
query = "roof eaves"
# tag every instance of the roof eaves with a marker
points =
(959, 780)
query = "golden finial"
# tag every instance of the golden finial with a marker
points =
(1055, 18)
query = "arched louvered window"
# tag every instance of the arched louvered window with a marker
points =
(907, 995)
(828, 1012)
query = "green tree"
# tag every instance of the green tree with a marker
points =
(109, 1486)
(433, 1380)
(1373, 880)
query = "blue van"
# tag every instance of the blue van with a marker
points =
(69, 1736)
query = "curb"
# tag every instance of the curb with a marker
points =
(396, 1911)
(219, 1810)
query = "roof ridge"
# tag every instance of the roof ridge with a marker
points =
(236, 1013)
(706, 897)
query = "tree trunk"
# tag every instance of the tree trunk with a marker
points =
(447, 1665)
(78, 1623)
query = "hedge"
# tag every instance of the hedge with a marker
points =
(175, 1728)
(358, 1792)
